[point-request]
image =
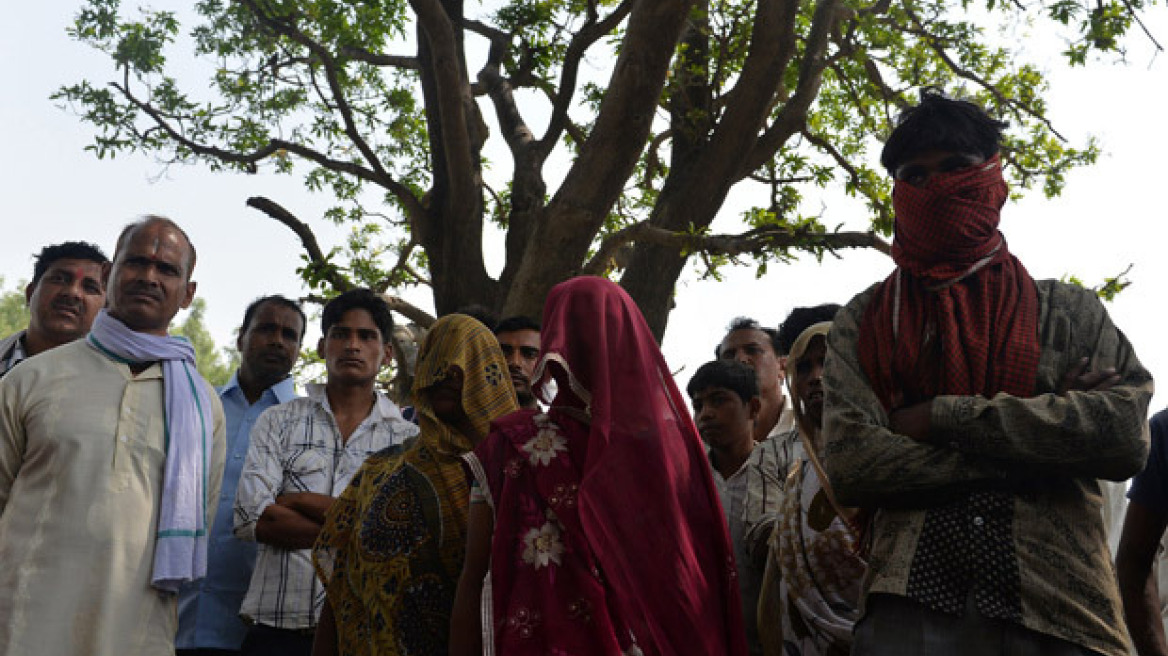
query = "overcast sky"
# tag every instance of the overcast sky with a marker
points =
(1111, 215)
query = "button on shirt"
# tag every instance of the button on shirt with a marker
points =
(297, 447)
(208, 611)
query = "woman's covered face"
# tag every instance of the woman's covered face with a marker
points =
(445, 396)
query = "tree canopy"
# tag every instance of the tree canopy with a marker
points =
(598, 136)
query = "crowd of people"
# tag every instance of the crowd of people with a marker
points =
(923, 470)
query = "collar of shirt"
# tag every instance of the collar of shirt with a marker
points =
(383, 409)
(285, 390)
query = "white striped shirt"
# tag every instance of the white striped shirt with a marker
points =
(297, 447)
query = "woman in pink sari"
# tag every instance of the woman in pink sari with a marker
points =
(598, 520)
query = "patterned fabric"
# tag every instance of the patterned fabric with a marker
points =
(750, 500)
(297, 447)
(392, 546)
(11, 352)
(610, 526)
(815, 572)
(959, 315)
(811, 591)
(1043, 454)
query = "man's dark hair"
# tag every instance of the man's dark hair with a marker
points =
(70, 250)
(800, 319)
(746, 323)
(482, 313)
(515, 324)
(940, 123)
(359, 299)
(131, 228)
(730, 374)
(274, 299)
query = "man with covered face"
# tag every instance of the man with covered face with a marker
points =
(972, 410)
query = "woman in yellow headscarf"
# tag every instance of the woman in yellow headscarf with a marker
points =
(392, 546)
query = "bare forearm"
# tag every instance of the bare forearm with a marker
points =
(281, 526)
(310, 504)
(325, 641)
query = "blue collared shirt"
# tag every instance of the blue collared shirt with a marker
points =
(208, 610)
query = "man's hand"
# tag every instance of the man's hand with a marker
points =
(913, 421)
(1081, 379)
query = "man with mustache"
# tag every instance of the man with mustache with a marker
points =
(970, 411)
(302, 455)
(63, 298)
(269, 344)
(519, 339)
(111, 454)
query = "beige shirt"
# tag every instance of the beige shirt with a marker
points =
(1046, 452)
(82, 449)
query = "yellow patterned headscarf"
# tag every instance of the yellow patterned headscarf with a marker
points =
(487, 393)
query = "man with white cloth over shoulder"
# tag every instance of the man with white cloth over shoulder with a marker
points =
(110, 448)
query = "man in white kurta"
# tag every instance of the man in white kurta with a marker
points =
(82, 451)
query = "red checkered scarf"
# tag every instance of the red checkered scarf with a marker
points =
(959, 315)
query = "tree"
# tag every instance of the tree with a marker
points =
(215, 366)
(690, 100)
(13, 310)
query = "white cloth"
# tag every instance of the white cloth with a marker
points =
(180, 547)
(82, 451)
(297, 447)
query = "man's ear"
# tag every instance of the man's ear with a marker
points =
(190, 294)
(106, 269)
(755, 406)
(387, 356)
(320, 348)
(28, 290)
(782, 368)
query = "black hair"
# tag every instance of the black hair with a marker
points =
(731, 374)
(131, 228)
(482, 313)
(941, 123)
(746, 323)
(359, 299)
(800, 319)
(515, 324)
(275, 299)
(70, 250)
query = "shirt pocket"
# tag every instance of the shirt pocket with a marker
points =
(308, 471)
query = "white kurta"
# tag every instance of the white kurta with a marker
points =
(82, 448)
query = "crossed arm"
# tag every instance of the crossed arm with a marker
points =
(1089, 421)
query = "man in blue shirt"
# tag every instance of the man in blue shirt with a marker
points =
(269, 342)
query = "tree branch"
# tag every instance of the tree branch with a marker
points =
(287, 27)
(592, 31)
(935, 45)
(793, 116)
(408, 310)
(758, 242)
(378, 59)
(316, 256)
